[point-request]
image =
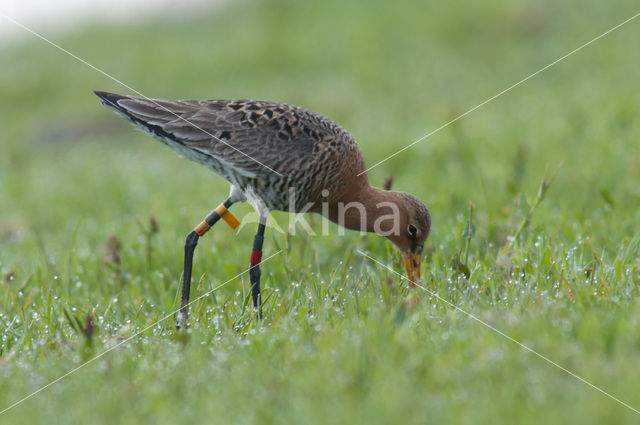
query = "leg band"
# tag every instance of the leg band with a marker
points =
(227, 216)
(202, 228)
(256, 256)
(220, 212)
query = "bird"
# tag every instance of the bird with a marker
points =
(277, 156)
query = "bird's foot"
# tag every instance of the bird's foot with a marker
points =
(181, 320)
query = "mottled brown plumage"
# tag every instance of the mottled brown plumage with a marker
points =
(264, 149)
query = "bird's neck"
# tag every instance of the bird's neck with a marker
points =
(369, 209)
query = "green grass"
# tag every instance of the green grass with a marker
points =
(342, 340)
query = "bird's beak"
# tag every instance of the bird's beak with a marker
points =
(412, 263)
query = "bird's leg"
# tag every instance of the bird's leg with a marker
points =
(189, 247)
(254, 268)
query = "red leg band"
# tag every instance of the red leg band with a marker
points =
(256, 256)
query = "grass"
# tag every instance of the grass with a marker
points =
(557, 270)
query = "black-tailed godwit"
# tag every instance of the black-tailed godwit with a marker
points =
(278, 157)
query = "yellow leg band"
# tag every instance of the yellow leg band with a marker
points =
(231, 220)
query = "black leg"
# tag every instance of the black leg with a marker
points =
(189, 248)
(254, 268)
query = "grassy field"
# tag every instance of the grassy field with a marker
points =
(342, 340)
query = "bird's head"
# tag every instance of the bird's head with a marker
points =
(413, 230)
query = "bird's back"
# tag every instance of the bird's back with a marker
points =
(268, 148)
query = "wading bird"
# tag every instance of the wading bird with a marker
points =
(277, 157)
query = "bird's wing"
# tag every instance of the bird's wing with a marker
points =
(255, 137)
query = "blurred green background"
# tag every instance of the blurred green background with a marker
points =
(344, 340)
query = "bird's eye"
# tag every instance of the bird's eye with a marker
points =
(412, 230)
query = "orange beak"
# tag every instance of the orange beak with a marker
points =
(412, 263)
